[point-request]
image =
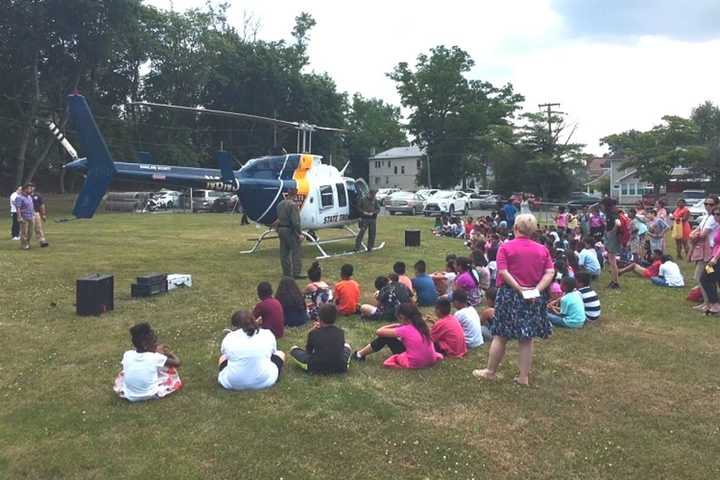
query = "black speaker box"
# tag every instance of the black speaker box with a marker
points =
(94, 294)
(138, 290)
(412, 238)
(152, 279)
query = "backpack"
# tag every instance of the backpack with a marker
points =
(624, 230)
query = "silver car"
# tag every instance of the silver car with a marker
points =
(404, 202)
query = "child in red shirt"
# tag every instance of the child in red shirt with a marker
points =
(447, 334)
(269, 310)
(347, 292)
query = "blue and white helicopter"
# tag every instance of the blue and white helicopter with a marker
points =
(327, 199)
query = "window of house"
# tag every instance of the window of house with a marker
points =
(342, 198)
(326, 196)
(402, 169)
(623, 189)
(419, 163)
(377, 180)
(388, 163)
(387, 180)
(395, 170)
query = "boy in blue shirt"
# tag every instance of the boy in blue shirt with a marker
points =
(571, 313)
(588, 259)
(424, 287)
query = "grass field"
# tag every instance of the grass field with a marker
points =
(635, 396)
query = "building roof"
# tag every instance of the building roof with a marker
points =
(598, 164)
(399, 152)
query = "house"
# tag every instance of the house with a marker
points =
(396, 168)
(598, 173)
(625, 185)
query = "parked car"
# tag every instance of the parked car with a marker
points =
(404, 202)
(697, 212)
(449, 202)
(484, 193)
(427, 193)
(491, 201)
(211, 201)
(581, 199)
(383, 193)
(168, 198)
(692, 196)
(475, 201)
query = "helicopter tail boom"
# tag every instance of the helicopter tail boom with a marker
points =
(100, 166)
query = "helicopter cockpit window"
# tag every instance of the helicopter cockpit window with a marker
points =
(326, 196)
(342, 199)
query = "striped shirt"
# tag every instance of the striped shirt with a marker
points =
(592, 303)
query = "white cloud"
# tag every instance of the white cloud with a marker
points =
(605, 87)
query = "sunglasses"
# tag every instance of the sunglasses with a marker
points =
(717, 214)
(710, 204)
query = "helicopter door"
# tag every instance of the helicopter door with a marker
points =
(356, 189)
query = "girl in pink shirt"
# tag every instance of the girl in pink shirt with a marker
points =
(409, 341)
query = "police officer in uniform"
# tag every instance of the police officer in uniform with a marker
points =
(369, 209)
(290, 233)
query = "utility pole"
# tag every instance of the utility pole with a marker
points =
(428, 169)
(548, 107)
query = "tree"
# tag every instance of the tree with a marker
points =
(49, 48)
(656, 152)
(449, 113)
(553, 162)
(704, 158)
(372, 125)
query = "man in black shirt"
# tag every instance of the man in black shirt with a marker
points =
(326, 350)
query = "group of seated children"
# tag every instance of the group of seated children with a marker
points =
(250, 358)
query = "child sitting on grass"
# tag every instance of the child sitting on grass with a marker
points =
(409, 341)
(487, 316)
(293, 302)
(571, 311)
(268, 312)
(389, 295)
(317, 291)
(149, 371)
(400, 268)
(447, 333)
(325, 350)
(347, 292)
(424, 286)
(587, 258)
(468, 318)
(444, 280)
(589, 296)
(652, 271)
(249, 357)
(669, 275)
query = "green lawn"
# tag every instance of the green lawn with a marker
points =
(636, 396)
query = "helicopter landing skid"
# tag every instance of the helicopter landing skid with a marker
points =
(314, 239)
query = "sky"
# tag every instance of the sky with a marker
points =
(613, 65)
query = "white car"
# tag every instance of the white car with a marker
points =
(697, 212)
(449, 202)
(383, 193)
(168, 199)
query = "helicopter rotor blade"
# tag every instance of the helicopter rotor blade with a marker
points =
(220, 113)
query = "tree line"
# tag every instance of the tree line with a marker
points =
(120, 50)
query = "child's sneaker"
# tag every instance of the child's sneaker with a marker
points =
(357, 357)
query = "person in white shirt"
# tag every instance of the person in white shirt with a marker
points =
(468, 318)
(250, 359)
(669, 275)
(588, 259)
(15, 228)
(149, 371)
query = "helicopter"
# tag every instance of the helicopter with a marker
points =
(325, 196)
